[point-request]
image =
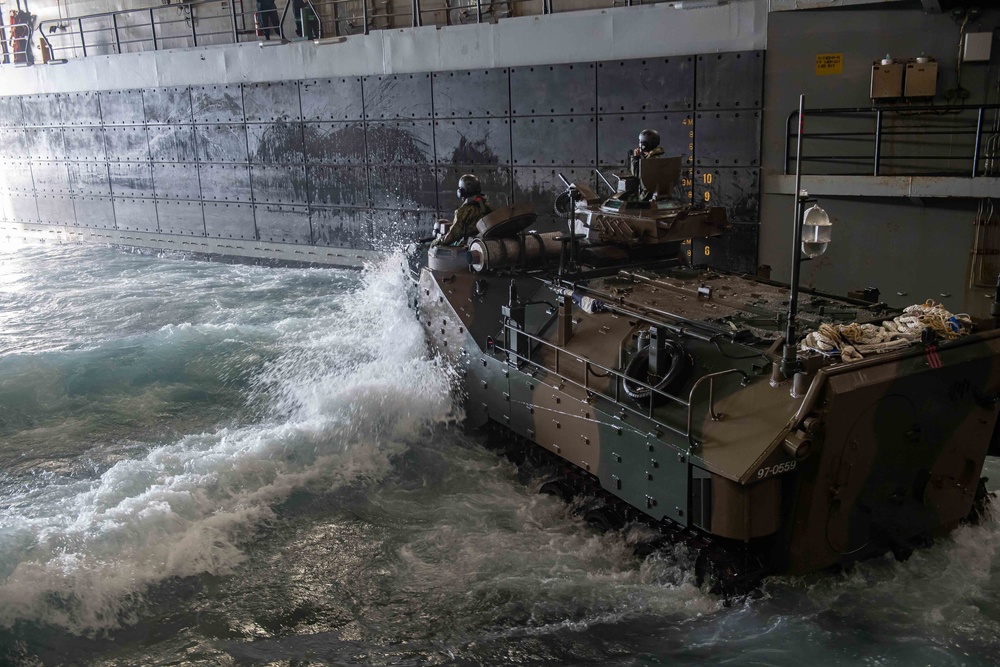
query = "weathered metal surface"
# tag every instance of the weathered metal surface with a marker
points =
(11, 114)
(618, 135)
(45, 143)
(403, 188)
(88, 143)
(497, 183)
(272, 102)
(230, 220)
(225, 183)
(337, 186)
(167, 105)
(221, 143)
(332, 99)
(20, 207)
(128, 143)
(646, 84)
(95, 212)
(81, 108)
(12, 143)
(176, 181)
(275, 143)
(50, 177)
(283, 224)
(180, 217)
(334, 143)
(541, 185)
(122, 107)
(42, 110)
(727, 138)
(15, 176)
(730, 80)
(56, 209)
(342, 227)
(217, 104)
(89, 178)
(542, 90)
(736, 251)
(887, 186)
(480, 93)
(737, 189)
(172, 143)
(399, 142)
(279, 184)
(130, 179)
(475, 141)
(395, 226)
(397, 96)
(556, 140)
(135, 215)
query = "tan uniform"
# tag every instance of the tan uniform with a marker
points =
(464, 224)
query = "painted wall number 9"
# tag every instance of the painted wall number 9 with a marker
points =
(707, 195)
(787, 466)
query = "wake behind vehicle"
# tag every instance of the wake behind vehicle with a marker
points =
(668, 392)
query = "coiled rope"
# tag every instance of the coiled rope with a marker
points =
(853, 341)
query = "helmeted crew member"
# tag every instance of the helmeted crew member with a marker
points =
(649, 147)
(473, 207)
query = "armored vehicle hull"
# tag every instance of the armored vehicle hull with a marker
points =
(660, 390)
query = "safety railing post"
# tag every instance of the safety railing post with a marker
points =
(232, 20)
(194, 30)
(83, 42)
(364, 16)
(479, 11)
(788, 137)
(114, 26)
(416, 13)
(878, 142)
(152, 27)
(979, 144)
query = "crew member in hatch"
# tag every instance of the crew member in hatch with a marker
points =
(473, 208)
(649, 148)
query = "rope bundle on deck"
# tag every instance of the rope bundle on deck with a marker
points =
(853, 341)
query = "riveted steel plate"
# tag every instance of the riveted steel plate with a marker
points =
(122, 107)
(89, 178)
(334, 143)
(217, 104)
(403, 187)
(646, 84)
(555, 140)
(337, 186)
(176, 181)
(540, 186)
(473, 141)
(401, 142)
(737, 189)
(56, 209)
(727, 138)
(87, 143)
(172, 143)
(278, 184)
(20, 207)
(618, 135)
(221, 143)
(497, 186)
(332, 99)
(225, 182)
(131, 179)
(12, 144)
(283, 224)
(10, 111)
(124, 143)
(45, 143)
(96, 212)
(339, 227)
(735, 251)
(478, 93)
(50, 177)
(730, 80)
(401, 226)
(167, 105)
(275, 143)
(180, 217)
(16, 176)
(229, 220)
(542, 90)
(81, 108)
(42, 110)
(272, 102)
(399, 96)
(135, 215)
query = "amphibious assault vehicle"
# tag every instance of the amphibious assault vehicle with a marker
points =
(667, 392)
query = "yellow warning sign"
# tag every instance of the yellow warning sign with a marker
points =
(829, 63)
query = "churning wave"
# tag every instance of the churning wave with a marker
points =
(345, 392)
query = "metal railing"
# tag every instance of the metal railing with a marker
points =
(203, 22)
(961, 140)
(15, 47)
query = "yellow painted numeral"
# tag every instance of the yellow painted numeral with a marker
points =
(707, 178)
(708, 251)
(707, 195)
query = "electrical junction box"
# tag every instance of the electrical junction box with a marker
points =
(887, 79)
(976, 48)
(921, 78)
